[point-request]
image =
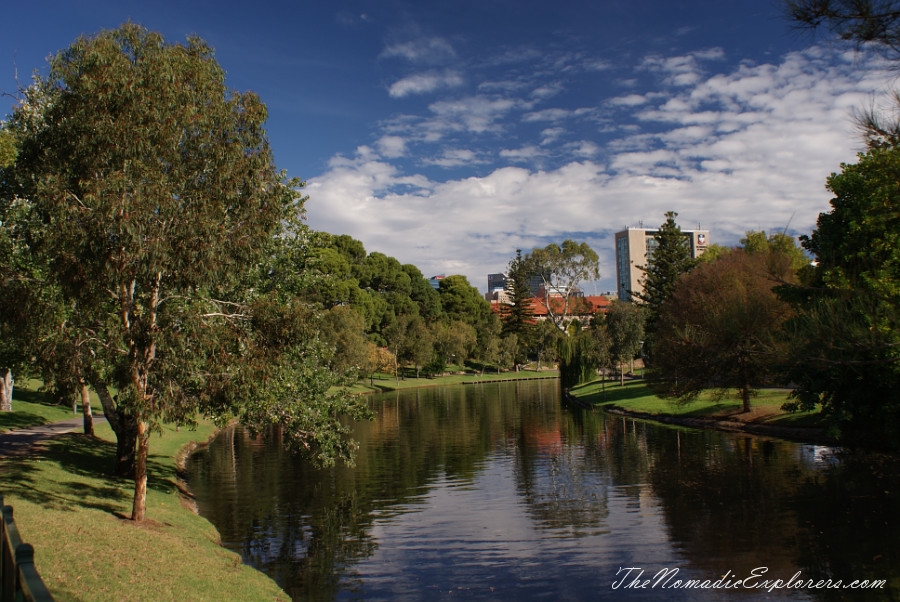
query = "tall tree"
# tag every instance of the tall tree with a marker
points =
(518, 313)
(848, 346)
(625, 331)
(561, 269)
(721, 329)
(669, 259)
(157, 194)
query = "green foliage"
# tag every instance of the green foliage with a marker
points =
(561, 269)
(625, 331)
(720, 329)
(669, 259)
(343, 332)
(167, 243)
(518, 314)
(577, 361)
(7, 147)
(784, 259)
(846, 336)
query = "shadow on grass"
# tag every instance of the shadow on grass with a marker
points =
(76, 455)
(613, 392)
(20, 420)
(34, 396)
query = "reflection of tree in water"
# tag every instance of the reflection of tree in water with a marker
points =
(306, 527)
(563, 490)
(851, 525)
(727, 499)
(738, 503)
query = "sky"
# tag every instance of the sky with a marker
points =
(449, 134)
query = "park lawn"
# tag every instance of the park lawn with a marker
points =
(636, 396)
(75, 516)
(388, 382)
(33, 407)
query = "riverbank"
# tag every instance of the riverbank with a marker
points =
(385, 382)
(766, 417)
(64, 495)
(75, 516)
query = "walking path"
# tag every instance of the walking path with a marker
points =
(22, 442)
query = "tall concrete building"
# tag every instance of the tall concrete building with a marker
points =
(634, 247)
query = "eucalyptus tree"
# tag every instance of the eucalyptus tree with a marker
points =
(157, 197)
(561, 268)
(625, 331)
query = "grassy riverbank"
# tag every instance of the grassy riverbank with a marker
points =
(388, 382)
(636, 399)
(85, 548)
(74, 514)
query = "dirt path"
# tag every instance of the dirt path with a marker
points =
(23, 442)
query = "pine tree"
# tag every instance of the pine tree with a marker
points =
(668, 260)
(518, 314)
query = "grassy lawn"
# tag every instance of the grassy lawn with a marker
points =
(32, 407)
(74, 515)
(388, 382)
(635, 396)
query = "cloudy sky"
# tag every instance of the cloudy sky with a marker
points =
(448, 134)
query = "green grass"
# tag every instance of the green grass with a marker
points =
(388, 382)
(75, 515)
(636, 396)
(33, 407)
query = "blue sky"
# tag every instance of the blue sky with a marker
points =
(449, 134)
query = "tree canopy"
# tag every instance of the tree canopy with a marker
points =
(150, 200)
(846, 336)
(561, 268)
(668, 258)
(720, 328)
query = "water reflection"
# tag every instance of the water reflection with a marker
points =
(497, 491)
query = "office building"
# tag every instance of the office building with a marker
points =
(634, 247)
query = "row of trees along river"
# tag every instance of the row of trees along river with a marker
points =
(127, 268)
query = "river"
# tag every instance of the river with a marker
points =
(500, 492)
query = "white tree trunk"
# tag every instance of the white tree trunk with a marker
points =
(6, 390)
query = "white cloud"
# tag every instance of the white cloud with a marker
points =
(631, 100)
(421, 50)
(456, 157)
(476, 114)
(743, 149)
(421, 83)
(551, 135)
(391, 146)
(525, 154)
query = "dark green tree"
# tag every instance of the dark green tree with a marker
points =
(846, 334)
(721, 329)
(625, 330)
(518, 313)
(668, 258)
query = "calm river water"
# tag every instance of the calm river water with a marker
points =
(500, 492)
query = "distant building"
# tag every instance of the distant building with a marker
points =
(435, 281)
(496, 282)
(634, 247)
(581, 307)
